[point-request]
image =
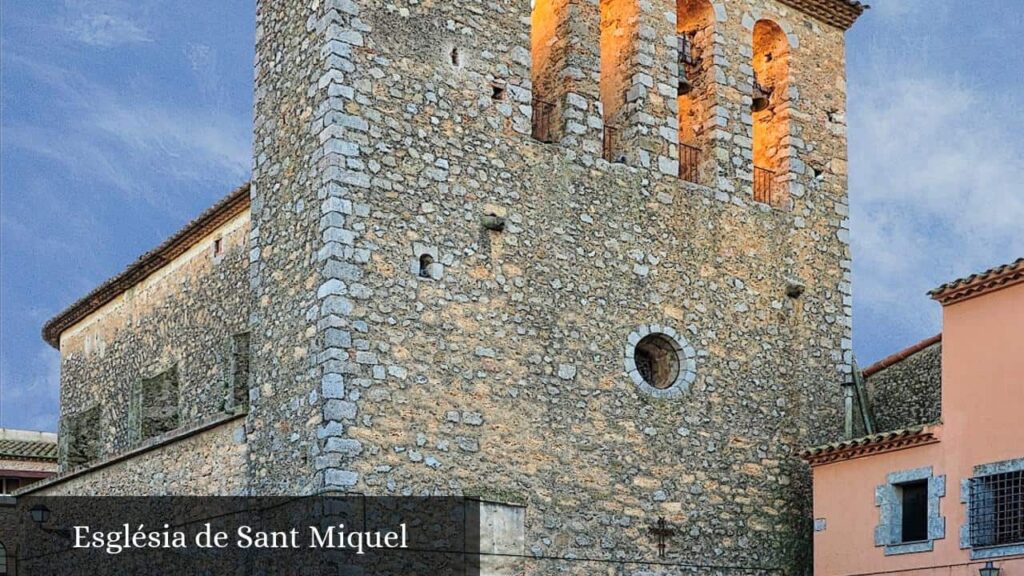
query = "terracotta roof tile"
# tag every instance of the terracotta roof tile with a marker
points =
(227, 208)
(839, 13)
(867, 445)
(27, 450)
(981, 283)
(901, 355)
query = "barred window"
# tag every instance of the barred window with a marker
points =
(997, 509)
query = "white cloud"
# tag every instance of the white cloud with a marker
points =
(103, 23)
(129, 142)
(935, 195)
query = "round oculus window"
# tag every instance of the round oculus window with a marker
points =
(660, 361)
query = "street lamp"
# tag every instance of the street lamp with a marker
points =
(988, 569)
(40, 514)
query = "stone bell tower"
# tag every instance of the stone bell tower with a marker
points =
(586, 257)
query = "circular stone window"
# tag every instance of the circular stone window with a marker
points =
(660, 361)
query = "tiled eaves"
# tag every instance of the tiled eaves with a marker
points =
(28, 450)
(839, 13)
(214, 217)
(978, 284)
(869, 445)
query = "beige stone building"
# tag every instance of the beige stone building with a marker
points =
(587, 259)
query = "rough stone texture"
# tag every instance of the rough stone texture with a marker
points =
(178, 321)
(909, 392)
(80, 441)
(372, 139)
(158, 403)
(378, 138)
(211, 462)
(10, 524)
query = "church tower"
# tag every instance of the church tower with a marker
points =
(586, 257)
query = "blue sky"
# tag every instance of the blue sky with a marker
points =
(123, 119)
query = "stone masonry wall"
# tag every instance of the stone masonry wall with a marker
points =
(501, 373)
(181, 318)
(909, 392)
(213, 462)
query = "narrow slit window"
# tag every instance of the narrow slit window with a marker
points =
(240, 359)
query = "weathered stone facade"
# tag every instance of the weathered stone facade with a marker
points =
(387, 131)
(908, 393)
(207, 458)
(157, 357)
(380, 137)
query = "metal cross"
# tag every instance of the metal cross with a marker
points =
(662, 531)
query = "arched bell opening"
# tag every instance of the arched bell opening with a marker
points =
(618, 38)
(695, 91)
(770, 108)
(547, 51)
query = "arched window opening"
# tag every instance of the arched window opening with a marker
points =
(618, 24)
(695, 39)
(770, 108)
(547, 54)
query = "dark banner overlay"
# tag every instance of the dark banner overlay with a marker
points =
(334, 535)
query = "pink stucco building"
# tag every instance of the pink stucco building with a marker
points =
(942, 497)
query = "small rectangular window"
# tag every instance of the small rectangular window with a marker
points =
(80, 437)
(159, 400)
(997, 509)
(218, 246)
(914, 502)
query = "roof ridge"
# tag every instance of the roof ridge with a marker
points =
(902, 355)
(980, 283)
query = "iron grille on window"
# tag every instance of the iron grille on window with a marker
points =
(543, 118)
(611, 145)
(764, 183)
(997, 509)
(689, 162)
